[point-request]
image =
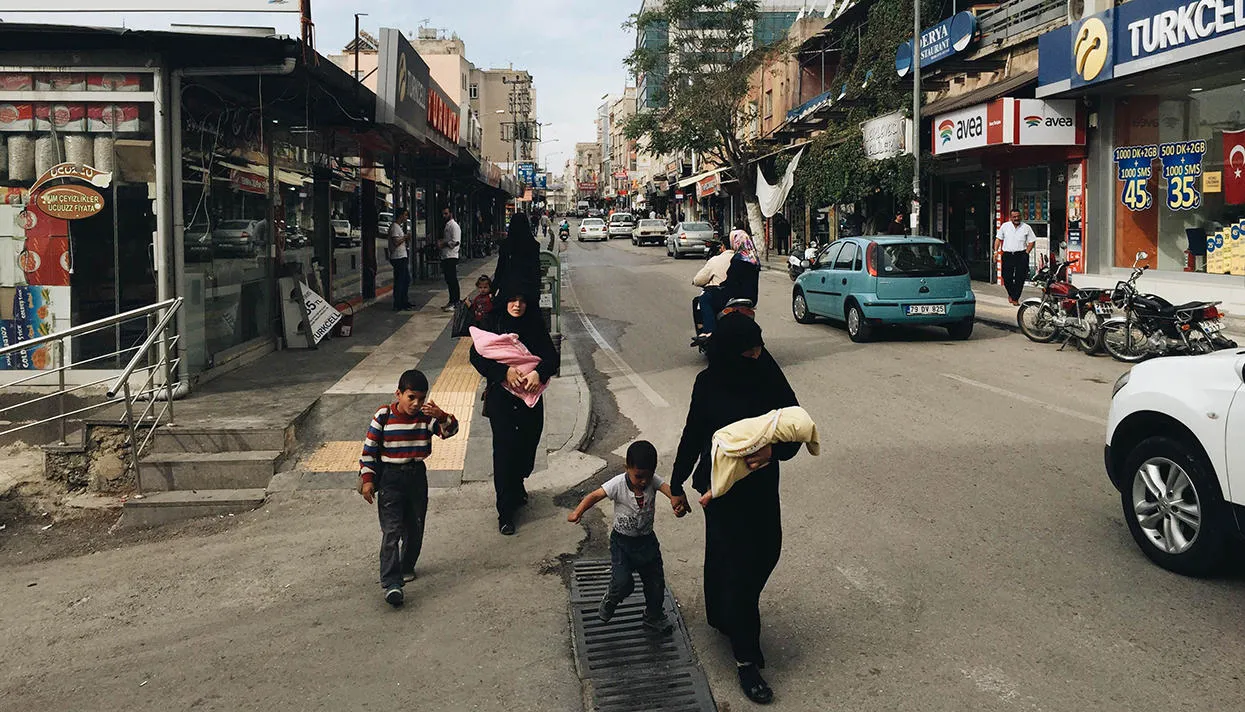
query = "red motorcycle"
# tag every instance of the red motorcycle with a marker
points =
(1063, 309)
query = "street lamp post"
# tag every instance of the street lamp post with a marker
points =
(357, 81)
(916, 115)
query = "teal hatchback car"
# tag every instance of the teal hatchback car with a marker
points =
(873, 281)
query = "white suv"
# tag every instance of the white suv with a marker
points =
(1176, 452)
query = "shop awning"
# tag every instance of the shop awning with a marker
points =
(291, 178)
(697, 178)
(977, 96)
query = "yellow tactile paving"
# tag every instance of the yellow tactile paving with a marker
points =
(455, 392)
(338, 456)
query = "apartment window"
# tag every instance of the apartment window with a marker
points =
(769, 103)
(474, 91)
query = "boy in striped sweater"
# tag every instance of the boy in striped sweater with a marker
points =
(392, 473)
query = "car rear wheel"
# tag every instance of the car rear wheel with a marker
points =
(1173, 506)
(799, 308)
(961, 331)
(858, 327)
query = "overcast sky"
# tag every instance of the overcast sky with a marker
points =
(573, 48)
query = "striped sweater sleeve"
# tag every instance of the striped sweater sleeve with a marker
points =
(446, 428)
(372, 446)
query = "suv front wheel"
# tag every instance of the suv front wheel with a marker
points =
(1173, 506)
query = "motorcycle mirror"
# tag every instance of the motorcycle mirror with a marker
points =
(1143, 255)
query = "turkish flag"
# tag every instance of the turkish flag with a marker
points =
(1234, 167)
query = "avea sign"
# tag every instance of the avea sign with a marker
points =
(947, 38)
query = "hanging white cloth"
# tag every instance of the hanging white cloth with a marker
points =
(771, 197)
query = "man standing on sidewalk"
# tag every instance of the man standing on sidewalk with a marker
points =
(450, 241)
(399, 257)
(1015, 240)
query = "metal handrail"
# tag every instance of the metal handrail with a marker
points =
(174, 305)
(90, 326)
(156, 358)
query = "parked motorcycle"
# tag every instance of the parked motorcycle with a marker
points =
(1152, 326)
(797, 265)
(1078, 314)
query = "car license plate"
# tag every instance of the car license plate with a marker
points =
(1212, 327)
(933, 309)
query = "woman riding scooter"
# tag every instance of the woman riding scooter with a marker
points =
(564, 230)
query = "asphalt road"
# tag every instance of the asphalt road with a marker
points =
(956, 546)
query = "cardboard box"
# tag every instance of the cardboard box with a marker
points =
(12, 81)
(113, 82)
(61, 81)
(62, 117)
(45, 261)
(39, 311)
(102, 118)
(17, 117)
(11, 274)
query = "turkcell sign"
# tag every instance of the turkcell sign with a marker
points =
(947, 38)
(1134, 37)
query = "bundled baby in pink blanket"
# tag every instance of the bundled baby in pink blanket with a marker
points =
(507, 349)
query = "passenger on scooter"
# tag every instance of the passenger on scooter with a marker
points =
(710, 278)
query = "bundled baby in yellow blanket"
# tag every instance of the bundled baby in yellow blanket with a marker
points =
(742, 438)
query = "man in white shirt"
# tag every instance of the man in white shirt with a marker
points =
(451, 238)
(399, 257)
(1015, 241)
(710, 278)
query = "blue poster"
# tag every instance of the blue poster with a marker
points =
(1182, 170)
(1134, 166)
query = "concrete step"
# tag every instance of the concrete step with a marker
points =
(175, 439)
(161, 472)
(164, 507)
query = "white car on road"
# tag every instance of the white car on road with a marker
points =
(1176, 452)
(592, 229)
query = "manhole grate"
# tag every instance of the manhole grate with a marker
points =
(631, 668)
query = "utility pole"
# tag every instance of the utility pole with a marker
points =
(916, 115)
(357, 79)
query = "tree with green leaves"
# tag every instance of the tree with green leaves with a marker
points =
(703, 74)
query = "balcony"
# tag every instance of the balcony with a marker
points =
(1011, 21)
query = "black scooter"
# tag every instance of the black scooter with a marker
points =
(564, 233)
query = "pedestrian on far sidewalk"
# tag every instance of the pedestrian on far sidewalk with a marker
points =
(518, 259)
(516, 426)
(392, 473)
(1015, 241)
(633, 544)
(451, 240)
(400, 259)
(782, 234)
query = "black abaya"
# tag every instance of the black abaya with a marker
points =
(516, 428)
(518, 260)
(743, 527)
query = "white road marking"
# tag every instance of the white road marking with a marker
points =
(870, 585)
(1026, 399)
(623, 368)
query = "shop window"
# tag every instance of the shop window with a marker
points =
(1177, 194)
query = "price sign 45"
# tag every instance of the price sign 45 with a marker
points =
(1134, 166)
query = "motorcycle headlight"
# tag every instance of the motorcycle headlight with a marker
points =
(1120, 383)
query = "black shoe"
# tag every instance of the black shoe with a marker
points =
(754, 686)
(393, 596)
(408, 576)
(506, 528)
(659, 625)
(606, 610)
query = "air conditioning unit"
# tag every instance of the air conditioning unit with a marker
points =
(1080, 9)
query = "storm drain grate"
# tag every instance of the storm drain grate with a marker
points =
(631, 668)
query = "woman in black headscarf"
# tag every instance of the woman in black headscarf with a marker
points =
(518, 258)
(743, 527)
(516, 427)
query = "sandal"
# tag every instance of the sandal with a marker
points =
(754, 686)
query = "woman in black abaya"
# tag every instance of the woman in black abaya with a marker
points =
(518, 258)
(743, 528)
(516, 427)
